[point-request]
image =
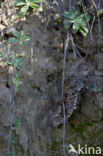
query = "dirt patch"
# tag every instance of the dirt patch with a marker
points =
(39, 95)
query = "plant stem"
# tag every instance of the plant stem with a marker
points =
(62, 94)
(12, 116)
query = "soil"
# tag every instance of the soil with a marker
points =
(40, 93)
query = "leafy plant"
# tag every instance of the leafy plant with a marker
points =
(77, 21)
(2, 55)
(19, 37)
(26, 4)
(17, 82)
(15, 61)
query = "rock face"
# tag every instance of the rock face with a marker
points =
(40, 93)
(73, 87)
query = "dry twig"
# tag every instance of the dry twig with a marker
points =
(62, 94)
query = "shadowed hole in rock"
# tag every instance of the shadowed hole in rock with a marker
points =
(56, 28)
(83, 54)
(7, 85)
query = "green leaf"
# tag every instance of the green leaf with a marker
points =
(17, 82)
(20, 67)
(13, 40)
(22, 34)
(21, 14)
(19, 2)
(21, 60)
(10, 62)
(27, 38)
(70, 21)
(84, 31)
(2, 55)
(34, 6)
(84, 17)
(22, 42)
(23, 38)
(99, 12)
(85, 28)
(76, 26)
(16, 34)
(73, 13)
(88, 17)
(24, 9)
(37, 1)
(66, 14)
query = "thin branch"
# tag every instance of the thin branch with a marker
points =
(74, 3)
(57, 5)
(91, 35)
(63, 6)
(12, 117)
(81, 49)
(62, 94)
(91, 28)
(99, 29)
(70, 4)
(99, 25)
(93, 3)
(75, 51)
(47, 23)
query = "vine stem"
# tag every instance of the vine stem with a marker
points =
(12, 117)
(62, 94)
(13, 104)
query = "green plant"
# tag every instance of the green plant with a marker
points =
(17, 82)
(77, 21)
(19, 37)
(2, 55)
(26, 4)
(13, 59)
(16, 61)
(96, 88)
(99, 12)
